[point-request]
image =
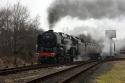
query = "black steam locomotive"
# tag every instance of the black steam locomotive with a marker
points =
(53, 47)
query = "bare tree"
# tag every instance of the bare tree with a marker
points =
(18, 31)
(5, 32)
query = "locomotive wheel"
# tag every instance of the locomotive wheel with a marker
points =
(73, 53)
(71, 59)
(60, 59)
(99, 58)
(39, 61)
(67, 59)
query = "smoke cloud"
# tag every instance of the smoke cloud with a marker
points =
(91, 17)
(85, 9)
(95, 28)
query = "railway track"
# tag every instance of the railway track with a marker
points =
(77, 77)
(22, 77)
(56, 72)
(32, 67)
(61, 76)
(37, 66)
(71, 74)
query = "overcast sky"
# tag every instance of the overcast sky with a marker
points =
(71, 23)
(36, 7)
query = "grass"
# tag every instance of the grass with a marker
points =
(114, 75)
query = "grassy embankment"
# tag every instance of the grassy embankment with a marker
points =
(115, 75)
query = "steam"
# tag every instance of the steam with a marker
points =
(85, 9)
(91, 17)
(68, 44)
(95, 27)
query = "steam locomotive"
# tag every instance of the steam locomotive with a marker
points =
(57, 47)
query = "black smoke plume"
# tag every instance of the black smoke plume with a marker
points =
(85, 9)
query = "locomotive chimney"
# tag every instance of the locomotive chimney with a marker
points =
(50, 30)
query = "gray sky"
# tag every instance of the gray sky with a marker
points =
(70, 24)
(36, 7)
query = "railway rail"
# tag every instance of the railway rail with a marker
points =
(32, 67)
(74, 78)
(57, 77)
(68, 75)
(65, 75)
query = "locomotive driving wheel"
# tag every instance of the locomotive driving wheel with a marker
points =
(67, 58)
(60, 59)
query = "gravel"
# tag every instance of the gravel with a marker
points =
(27, 75)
